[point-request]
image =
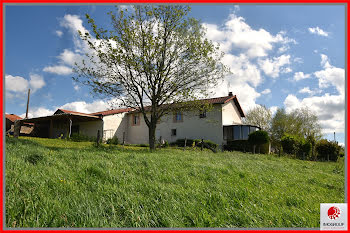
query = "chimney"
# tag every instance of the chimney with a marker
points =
(230, 93)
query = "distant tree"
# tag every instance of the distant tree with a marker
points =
(301, 122)
(154, 58)
(259, 116)
(258, 138)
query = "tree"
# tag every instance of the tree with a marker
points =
(258, 138)
(155, 59)
(259, 116)
(300, 122)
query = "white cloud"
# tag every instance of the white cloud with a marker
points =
(266, 91)
(298, 60)
(330, 110)
(59, 33)
(126, 7)
(16, 83)
(331, 75)
(300, 75)
(76, 87)
(318, 31)
(307, 90)
(73, 23)
(82, 106)
(17, 86)
(78, 106)
(273, 110)
(238, 34)
(273, 67)
(245, 93)
(283, 48)
(38, 112)
(243, 71)
(69, 58)
(36, 81)
(59, 69)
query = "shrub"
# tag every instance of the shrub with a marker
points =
(238, 145)
(258, 138)
(297, 146)
(195, 142)
(81, 138)
(304, 149)
(165, 144)
(113, 141)
(327, 150)
(289, 144)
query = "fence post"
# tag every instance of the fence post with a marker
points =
(185, 143)
(202, 144)
(16, 129)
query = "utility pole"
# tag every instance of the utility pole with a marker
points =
(27, 103)
(334, 136)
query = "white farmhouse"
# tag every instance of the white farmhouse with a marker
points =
(222, 123)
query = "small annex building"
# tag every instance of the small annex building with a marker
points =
(26, 128)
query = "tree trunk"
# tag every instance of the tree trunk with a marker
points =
(152, 136)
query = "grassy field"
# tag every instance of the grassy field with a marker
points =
(55, 183)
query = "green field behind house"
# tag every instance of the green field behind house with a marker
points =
(58, 183)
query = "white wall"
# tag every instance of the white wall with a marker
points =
(114, 126)
(90, 128)
(230, 114)
(193, 127)
(136, 134)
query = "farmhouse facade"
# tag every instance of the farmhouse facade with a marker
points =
(222, 123)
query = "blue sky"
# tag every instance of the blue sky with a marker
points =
(287, 56)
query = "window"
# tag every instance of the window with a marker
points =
(245, 132)
(178, 117)
(237, 132)
(173, 132)
(228, 132)
(135, 119)
(203, 114)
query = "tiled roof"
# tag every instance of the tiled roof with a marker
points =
(220, 100)
(112, 111)
(73, 112)
(13, 117)
(217, 100)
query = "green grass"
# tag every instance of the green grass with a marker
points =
(57, 183)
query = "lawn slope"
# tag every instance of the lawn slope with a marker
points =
(55, 183)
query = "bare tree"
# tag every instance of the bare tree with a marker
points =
(259, 116)
(154, 58)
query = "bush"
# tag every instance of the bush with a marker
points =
(245, 146)
(81, 138)
(327, 150)
(194, 142)
(113, 141)
(289, 144)
(258, 138)
(297, 146)
(238, 145)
